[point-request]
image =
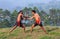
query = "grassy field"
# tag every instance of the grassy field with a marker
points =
(54, 33)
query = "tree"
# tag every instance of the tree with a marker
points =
(4, 24)
(36, 9)
(44, 17)
(58, 17)
(14, 17)
(1, 11)
(53, 15)
(7, 13)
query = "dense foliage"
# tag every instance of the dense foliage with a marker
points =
(8, 18)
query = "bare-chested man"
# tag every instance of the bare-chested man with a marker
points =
(37, 21)
(18, 22)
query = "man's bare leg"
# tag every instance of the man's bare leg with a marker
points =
(23, 28)
(32, 28)
(44, 29)
(13, 28)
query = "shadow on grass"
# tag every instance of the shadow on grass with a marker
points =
(27, 31)
(52, 29)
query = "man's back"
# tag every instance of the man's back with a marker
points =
(19, 16)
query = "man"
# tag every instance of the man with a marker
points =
(18, 22)
(37, 21)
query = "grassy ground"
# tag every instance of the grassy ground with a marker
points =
(54, 33)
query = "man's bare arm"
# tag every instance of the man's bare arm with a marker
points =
(31, 18)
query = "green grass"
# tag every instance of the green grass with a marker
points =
(46, 37)
(53, 33)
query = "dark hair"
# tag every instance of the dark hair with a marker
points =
(34, 11)
(20, 11)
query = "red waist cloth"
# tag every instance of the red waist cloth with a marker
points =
(38, 21)
(18, 23)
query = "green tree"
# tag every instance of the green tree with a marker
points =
(4, 24)
(53, 15)
(14, 17)
(7, 13)
(1, 11)
(36, 9)
(44, 17)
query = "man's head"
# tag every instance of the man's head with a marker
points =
(33, 11)
(20, 12)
